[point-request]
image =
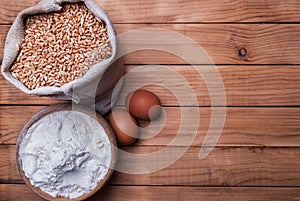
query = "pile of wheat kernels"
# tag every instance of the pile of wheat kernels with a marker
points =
(60, 47)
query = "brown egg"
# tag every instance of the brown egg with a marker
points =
(124, 126)
(143, 104)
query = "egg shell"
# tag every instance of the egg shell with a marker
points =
(143, 104)
(124, 126)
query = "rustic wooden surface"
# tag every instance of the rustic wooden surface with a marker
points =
(258, 154)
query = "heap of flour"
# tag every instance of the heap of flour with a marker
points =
(65, 153)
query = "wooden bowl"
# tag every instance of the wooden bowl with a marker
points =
(61, 107)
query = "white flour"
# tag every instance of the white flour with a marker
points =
(65, 153)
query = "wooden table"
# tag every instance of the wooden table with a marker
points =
(258, 154)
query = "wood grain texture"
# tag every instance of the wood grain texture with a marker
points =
(8, 165)
(181, 11)
(244, 85)
(223, 167)
(159, 193)
(257, 155)
(11, 95)
(265, 43)
(12, 120)
(243, 126)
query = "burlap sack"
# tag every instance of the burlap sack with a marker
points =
(96, 85)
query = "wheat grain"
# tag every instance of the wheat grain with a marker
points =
(60, 47)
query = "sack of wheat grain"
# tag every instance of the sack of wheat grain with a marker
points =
(64, 49)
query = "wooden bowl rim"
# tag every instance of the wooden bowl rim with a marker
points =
(62, 107)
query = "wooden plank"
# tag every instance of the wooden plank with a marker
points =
(12, 95)
(17, 192)
(181, 11)
(230, 166)
(244, 86)
(223, 167)
(159, 193)
(12, 120)
(8, 165)
(3, 32)
(243, 126)
(265, 43)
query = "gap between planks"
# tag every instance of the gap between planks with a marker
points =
(216, 11)
(146, 193)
